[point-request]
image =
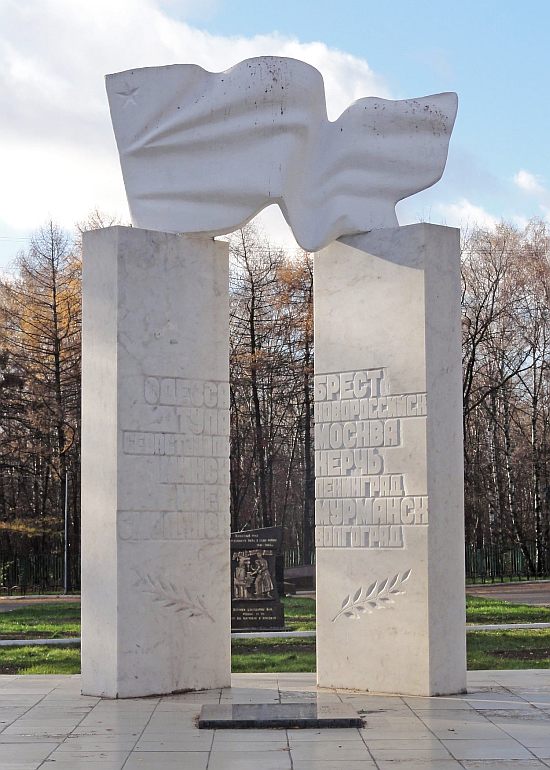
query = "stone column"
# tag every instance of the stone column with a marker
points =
(389, 467)
(155, 463)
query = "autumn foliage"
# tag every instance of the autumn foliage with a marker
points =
(506, 384)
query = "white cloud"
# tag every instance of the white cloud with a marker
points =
(63, 183)
(464, 214)
(57, 151)
(529, 183)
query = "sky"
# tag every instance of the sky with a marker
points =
(58, 157)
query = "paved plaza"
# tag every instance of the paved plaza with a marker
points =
(503, 722)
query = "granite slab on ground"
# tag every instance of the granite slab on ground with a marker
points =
(278, 715)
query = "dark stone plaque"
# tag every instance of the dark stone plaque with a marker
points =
(283, 715)
(255, 602)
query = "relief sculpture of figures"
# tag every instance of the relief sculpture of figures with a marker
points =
(204, 152)
(263, 584)
(240, 588)
(251, 577)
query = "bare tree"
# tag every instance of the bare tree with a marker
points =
(506, 389)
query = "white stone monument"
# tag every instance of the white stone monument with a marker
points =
(202, 153)
(388, 463)
(155, 464)
(206, 151)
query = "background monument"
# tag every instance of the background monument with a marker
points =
(202, 153)
(255, 600)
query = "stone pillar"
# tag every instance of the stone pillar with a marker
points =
(389, 467)
(155, 463)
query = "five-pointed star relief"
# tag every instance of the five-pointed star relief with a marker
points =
(128, 94)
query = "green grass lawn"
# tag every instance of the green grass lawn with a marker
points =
(41, 621)
(299, 613)
(39, 660)
(480, 610)
(261, 655)
(486, 650)
(508, 649)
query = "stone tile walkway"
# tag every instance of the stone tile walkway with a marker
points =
(503, 722)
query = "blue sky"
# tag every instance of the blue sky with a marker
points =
(57, 152)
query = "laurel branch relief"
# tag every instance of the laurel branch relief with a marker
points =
(378, 596)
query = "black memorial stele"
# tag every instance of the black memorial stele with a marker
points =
(255, 602)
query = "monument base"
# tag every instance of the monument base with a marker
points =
(155, 464)
(389, 467)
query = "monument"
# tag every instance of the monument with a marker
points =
(388, 440)
(155, 463)
(204, 152)
(201, 154)
(255, 601)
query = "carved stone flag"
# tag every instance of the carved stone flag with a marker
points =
(206, 151)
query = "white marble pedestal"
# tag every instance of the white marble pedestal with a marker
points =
(389, 472)
(155, 464)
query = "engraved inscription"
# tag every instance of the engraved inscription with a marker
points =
(172, 444)
(360, 504)
(176, 391)
(170, 525)
(186, 466)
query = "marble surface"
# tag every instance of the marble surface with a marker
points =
(206, 151)
(502, 722)
(155, 463)
(388, 454)
(302, 714)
